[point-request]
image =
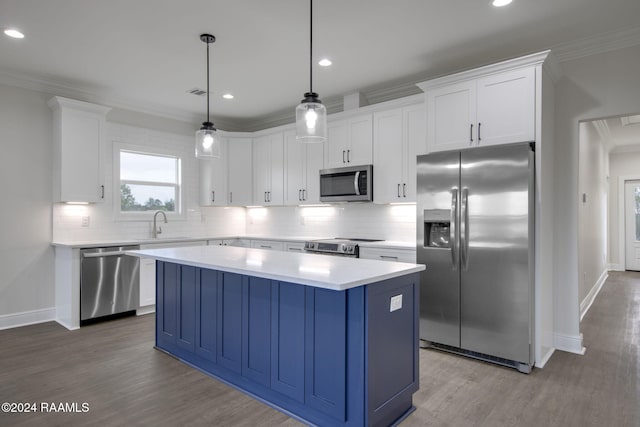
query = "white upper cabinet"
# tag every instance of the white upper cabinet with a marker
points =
(399, 135)
(268, 170)
(498, 108)
(302, 163)
(239, 175)
(506, 107)
(79, 134)
(213, 179)
(349, 142)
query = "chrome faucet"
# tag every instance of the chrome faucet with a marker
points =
(157, 230)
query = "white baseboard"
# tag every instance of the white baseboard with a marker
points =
(67, 325)
(146, 310)
(615, 267)
(25, 318)
(586, 303)
(569, 343)
(543, 361)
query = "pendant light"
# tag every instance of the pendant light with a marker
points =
(207, 138)
(311, 115)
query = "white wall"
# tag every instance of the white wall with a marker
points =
(26, 257)
(592, 214)
(593, 87)
(620, 165)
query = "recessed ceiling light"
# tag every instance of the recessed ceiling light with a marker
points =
(324, 62)
(500, 3)
(12, 32)
(227, 96)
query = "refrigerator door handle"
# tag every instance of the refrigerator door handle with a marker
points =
(452, 228)
(464, 228)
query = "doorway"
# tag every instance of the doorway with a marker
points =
(632, 224)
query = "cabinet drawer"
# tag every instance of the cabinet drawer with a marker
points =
(383, 254)
(267, 244)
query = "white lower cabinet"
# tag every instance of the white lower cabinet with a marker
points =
(386, 254)
(268, 244)
(148, 271)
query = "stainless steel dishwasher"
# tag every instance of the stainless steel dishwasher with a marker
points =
(109, 283)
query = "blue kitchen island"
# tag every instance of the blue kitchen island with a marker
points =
(330, 341)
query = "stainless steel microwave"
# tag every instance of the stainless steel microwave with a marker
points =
(348, 184)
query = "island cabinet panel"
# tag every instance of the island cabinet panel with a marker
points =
(256, 334)
(167, 297)
(393, 373)
(230, 321)
(186, 314)
(207, 319)
(287, 334)
(325, 347)
(329, 358)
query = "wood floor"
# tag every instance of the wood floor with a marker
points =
(113, 367)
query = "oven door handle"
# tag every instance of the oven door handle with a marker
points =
(355, 183)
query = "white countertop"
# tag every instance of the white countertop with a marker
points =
(391, 244)
(322, 271)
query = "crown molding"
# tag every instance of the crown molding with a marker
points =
(599, 43)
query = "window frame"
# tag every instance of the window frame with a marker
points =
(119, 215)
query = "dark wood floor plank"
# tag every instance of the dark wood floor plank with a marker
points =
(113, 367)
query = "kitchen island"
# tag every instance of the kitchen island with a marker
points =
(328, 340)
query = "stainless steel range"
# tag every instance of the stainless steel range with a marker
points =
(339, 246)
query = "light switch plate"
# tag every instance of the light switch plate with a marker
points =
(85, 221)
(396, 303)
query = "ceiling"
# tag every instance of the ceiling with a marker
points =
(620, 134)
(145, 55)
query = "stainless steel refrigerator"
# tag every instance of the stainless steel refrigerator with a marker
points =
(475, 234)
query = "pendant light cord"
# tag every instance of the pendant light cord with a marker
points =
(208, 82)
(311, 46)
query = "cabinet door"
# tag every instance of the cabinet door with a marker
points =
(506, 107)
(256, 330)
(414, 142)
(268, 179)
(314, 162)
(360, 142)
(335, 151)
(213, 179)
(451, 117)
(276, 170)
(388, 156)
(295, 156)
(79, 133)
(239, 176)
(261, 170)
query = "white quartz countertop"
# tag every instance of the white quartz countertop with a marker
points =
(322, 271)
(391, 244)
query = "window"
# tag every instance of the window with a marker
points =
(148, 182)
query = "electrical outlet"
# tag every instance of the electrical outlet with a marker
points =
(396, 303)
(85, 221)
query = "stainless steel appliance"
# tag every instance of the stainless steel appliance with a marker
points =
(109, 282)
(475, 234)
(348, 184)
(339, 246)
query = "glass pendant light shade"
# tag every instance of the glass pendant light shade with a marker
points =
(207, 142)
(311, 119)
(207, 138)
(311, 115)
